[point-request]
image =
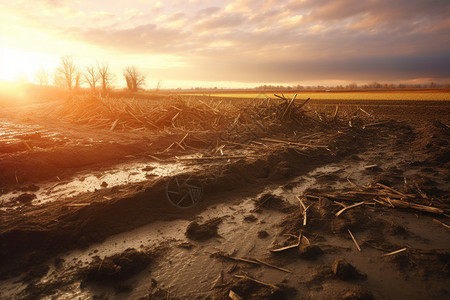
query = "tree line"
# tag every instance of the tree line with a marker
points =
(354, 86)
(99, 75)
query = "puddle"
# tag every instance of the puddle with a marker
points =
(13, 132)
(119, 175)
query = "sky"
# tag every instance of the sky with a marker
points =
(232, 44)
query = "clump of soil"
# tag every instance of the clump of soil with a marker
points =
(250, 218)
(272, 202)
(26, 198)
(344, 270)
(205, 231)
(117, 267)
(262, 234)
(310, 252)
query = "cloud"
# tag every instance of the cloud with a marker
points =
(259, 40)
(220, 21)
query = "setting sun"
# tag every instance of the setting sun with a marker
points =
(22, 65)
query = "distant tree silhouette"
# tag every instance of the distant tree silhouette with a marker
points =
(42, 76)
(68, 71)
(92, 76)
(105, 76)
(134, 78)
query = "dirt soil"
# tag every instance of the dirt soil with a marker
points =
(298, 201)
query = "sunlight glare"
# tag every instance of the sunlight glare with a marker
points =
(17, 64)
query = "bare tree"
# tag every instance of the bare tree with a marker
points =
(42, 76)
(91, 76)
(105, 75)
(134, 78)
(68, 71)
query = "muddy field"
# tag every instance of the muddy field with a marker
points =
(180, 197)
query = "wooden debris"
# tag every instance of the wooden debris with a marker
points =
(77, 204)
(422, 193)
(304, 209)
(336, 112)
(349, 207)
(113, 125)
(391, 189)
(233, 296)
(395, 252)
(278, 141)
(302, 240)
(365, 112)
(213, 157)
(443, 224)
(423, 208)
(272, 266)
(370, 166)
(289, 105)
(373, 124)
(257, 281)
(254, 261)
(354, 240)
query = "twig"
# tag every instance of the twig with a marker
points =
(348, 207)
(284, 248)
(373, 124)
(304, 209)
(364, 111)
(336, 112)
(289, 105)
(354, 240)
(233, 296)
(424, 208)
(272, 266)
(257, 281)
(422, 193)
(443, 224)
(391, 189)
(395, 252)
(213, 157)
(254, 261)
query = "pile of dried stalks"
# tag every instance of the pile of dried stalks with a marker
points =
(185, 113)
(201, 120)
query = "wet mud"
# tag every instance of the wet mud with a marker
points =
(105, 229)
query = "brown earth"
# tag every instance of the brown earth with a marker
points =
(255, 158)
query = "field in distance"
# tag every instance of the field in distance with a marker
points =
(421, 95)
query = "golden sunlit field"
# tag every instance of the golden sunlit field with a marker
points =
(385, 95)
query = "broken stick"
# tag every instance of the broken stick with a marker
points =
(354, 240)
(348, 207)
(257, 281)
(395, 252)
(304, 209)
